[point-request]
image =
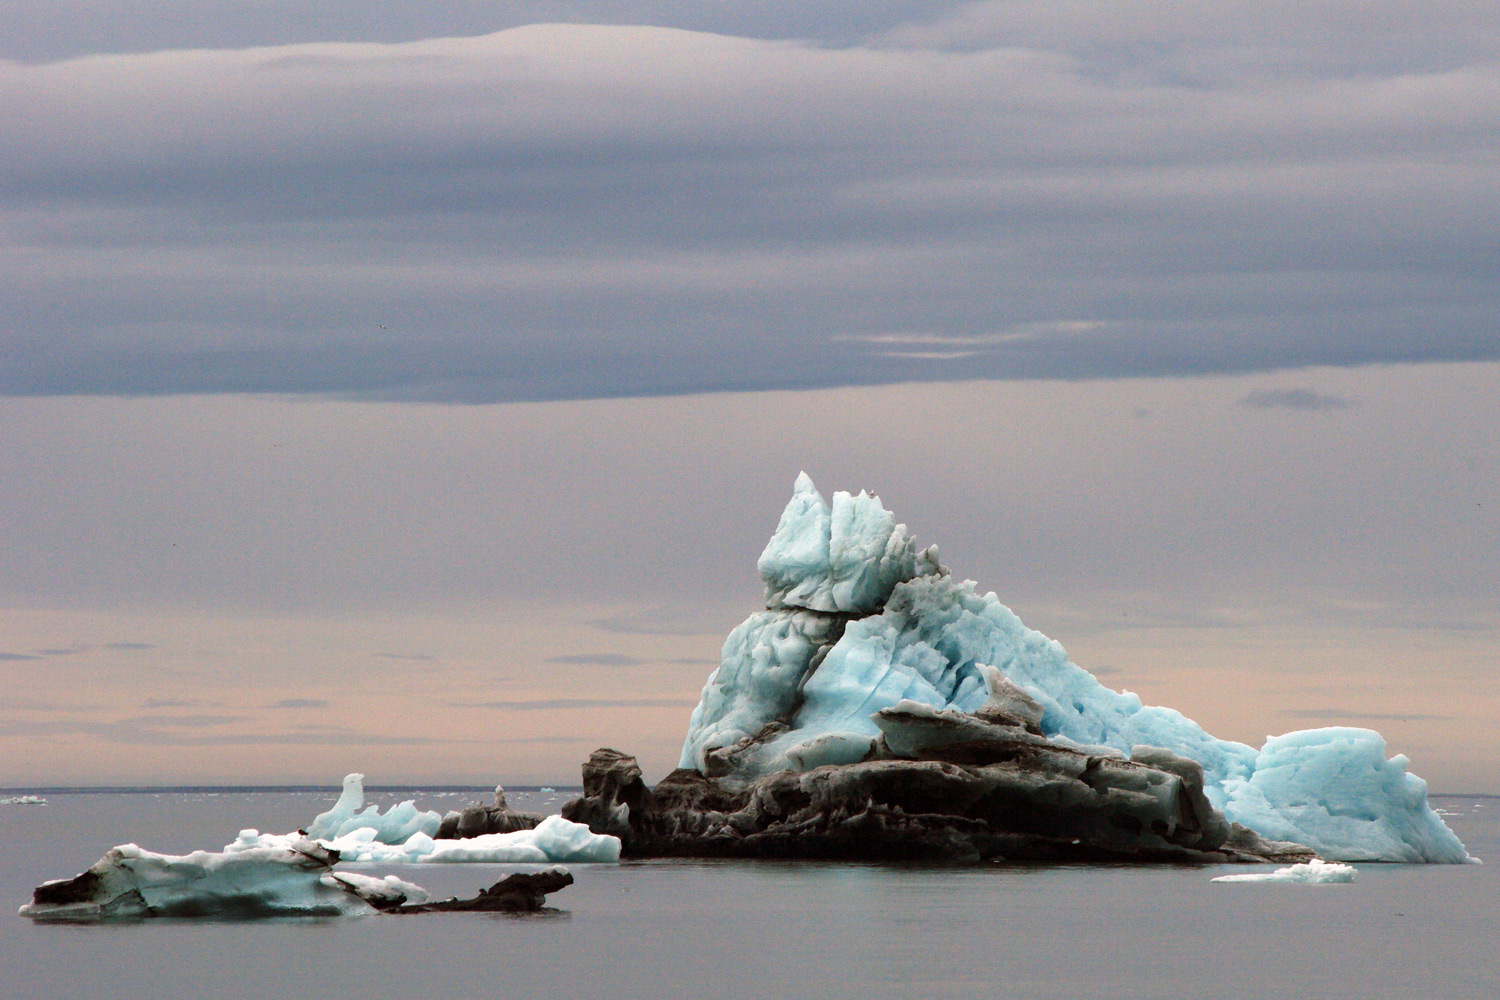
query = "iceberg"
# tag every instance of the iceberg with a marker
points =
(295, 879)
(1314, 872)
(23, 800)
(349, 814)
(858, 621)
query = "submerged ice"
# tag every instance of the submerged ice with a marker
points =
(858, 620)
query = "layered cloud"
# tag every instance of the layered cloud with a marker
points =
(563, 211)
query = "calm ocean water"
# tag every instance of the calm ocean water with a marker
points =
(759, 929)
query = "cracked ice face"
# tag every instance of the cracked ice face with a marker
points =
(843, 559)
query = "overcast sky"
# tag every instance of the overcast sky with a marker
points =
(568, 210)
(410, 389)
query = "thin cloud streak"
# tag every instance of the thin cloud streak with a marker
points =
(1294, 399)
(597, 659)
(565, 704)
(1344, 715)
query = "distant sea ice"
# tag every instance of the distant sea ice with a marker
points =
(1314, 872)
(405, 836)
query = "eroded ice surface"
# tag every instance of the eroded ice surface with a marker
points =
(840, 559)
(857, 622)
(283, 880)
(23, 800)
(350, 813)
(1314, 872)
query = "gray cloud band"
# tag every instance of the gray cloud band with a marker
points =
(574, 211)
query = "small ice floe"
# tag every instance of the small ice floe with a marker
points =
(130, 884)
(293, 880)
(350, 814)
(23, 800)
(1314, 872)
(405, 835)
(553, 840)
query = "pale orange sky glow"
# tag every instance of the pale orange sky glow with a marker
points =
(257, 590)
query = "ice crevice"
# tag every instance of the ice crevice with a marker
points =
(857, 620)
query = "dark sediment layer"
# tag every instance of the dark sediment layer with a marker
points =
(963, 788)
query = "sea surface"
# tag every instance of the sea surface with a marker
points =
(755, 929)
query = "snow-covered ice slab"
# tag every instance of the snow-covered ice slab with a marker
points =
(554, 840)
(294, 880)
(1314, 872)
(857, 621)
(350, 813)
(404, 835)
(23, 800)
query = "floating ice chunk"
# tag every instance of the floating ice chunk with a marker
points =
(23, 800)
(1314, 872)
(294, 879)
(554, 840)
(1334, 789)
(349, 813)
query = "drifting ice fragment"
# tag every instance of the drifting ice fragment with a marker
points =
(553, 840)
(129, 883)
(1314, 872)
(857, 621)
(350, 814)
(23, 800)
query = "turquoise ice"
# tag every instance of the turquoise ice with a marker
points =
(857, 619)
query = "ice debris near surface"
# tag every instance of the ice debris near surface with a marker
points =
(857, 621)
(295, 879)
(349, 814)
(1314, 872)
(554, 840)
(23, 800)
(406, 836)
